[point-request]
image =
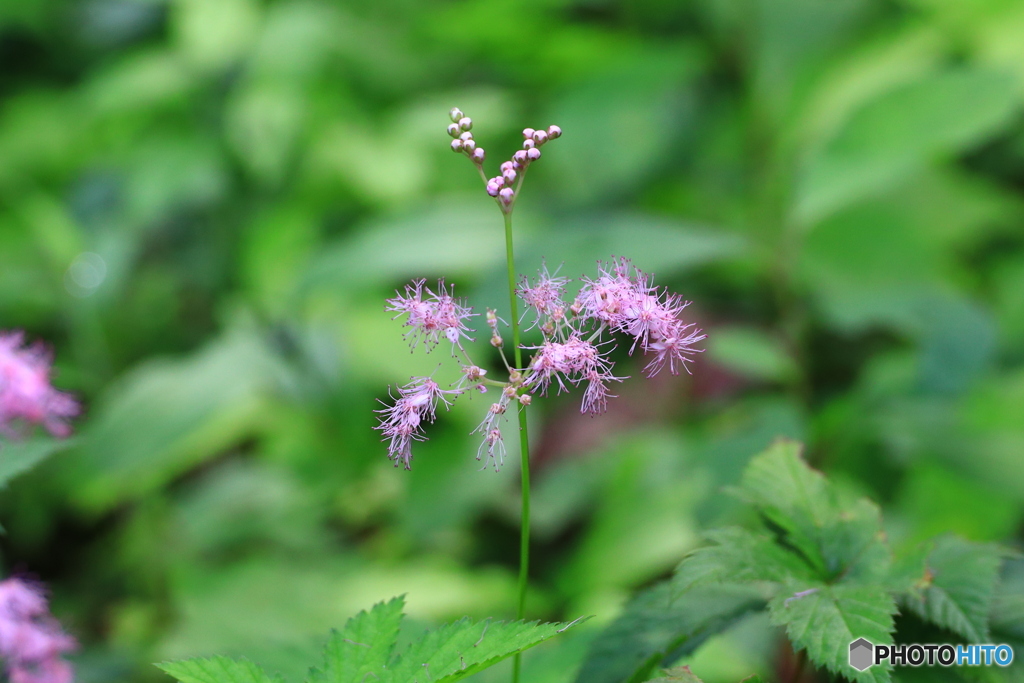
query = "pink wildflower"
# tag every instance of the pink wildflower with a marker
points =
(31, 640)
(402, 422)
(624, 298)
(431, 315)
(25, 391)
(545, 297)
(575, 360)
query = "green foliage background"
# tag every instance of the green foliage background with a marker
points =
(203, 204)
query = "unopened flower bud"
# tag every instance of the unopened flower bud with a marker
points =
(466, 136)
(469, 145)
(527, 133)
(492, 188)
(455, 114)
(456, 145)
(507, 194)
(454, 130)
(554, 132)
(529, 143)
(540, 137)
(505, 165)
(533, 154)
(465, 123)
(509, 176)
(525, 399)
(478, 155)
(520, 156)
(498, 180)
(516, 166)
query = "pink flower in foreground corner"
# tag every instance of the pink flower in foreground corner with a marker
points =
(26, 396)
(31, 640)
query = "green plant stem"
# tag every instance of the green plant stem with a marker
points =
(524, 443)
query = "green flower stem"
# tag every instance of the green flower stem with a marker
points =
(524, 443)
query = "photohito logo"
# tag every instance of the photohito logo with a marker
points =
(864, 653)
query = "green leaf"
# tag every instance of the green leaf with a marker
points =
(166, 416)
(659, 625)
(753, 353)
(218, 670)
(19, 457)
(739, 556)
(824, 620)
(365, 645)
(902, 130)
(836, 539)
(465, 647)
(677, 674)
(956, 589)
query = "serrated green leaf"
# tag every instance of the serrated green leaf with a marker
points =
(824, 620)
(659, 625)
(365, 645)
(465, 647)
(839, 541)
(677, 674)
(956, 589)
(739, 556)
(19, 457)
(218, 670)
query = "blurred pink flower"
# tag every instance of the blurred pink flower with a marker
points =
(31, 640)
(26, 395)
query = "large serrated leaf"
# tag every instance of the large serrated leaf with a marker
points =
(659, 625)
(365, 645)
(739, 556)
(956, 588)
(824, 620)
(839, 541)
(465, 647)
(218, 670)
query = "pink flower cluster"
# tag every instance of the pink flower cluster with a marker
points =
(621, 299)
(624, 298)
(26, 396)
(31, 640)
(431, 315)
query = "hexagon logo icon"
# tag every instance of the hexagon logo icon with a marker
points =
(861, 654)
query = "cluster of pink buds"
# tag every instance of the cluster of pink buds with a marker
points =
(26, 396)
(505, 187)
(574, 351)
(31, 640)
(460, 129)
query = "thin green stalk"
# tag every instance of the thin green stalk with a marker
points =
(524, 443)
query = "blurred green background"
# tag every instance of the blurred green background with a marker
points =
(203, 204)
